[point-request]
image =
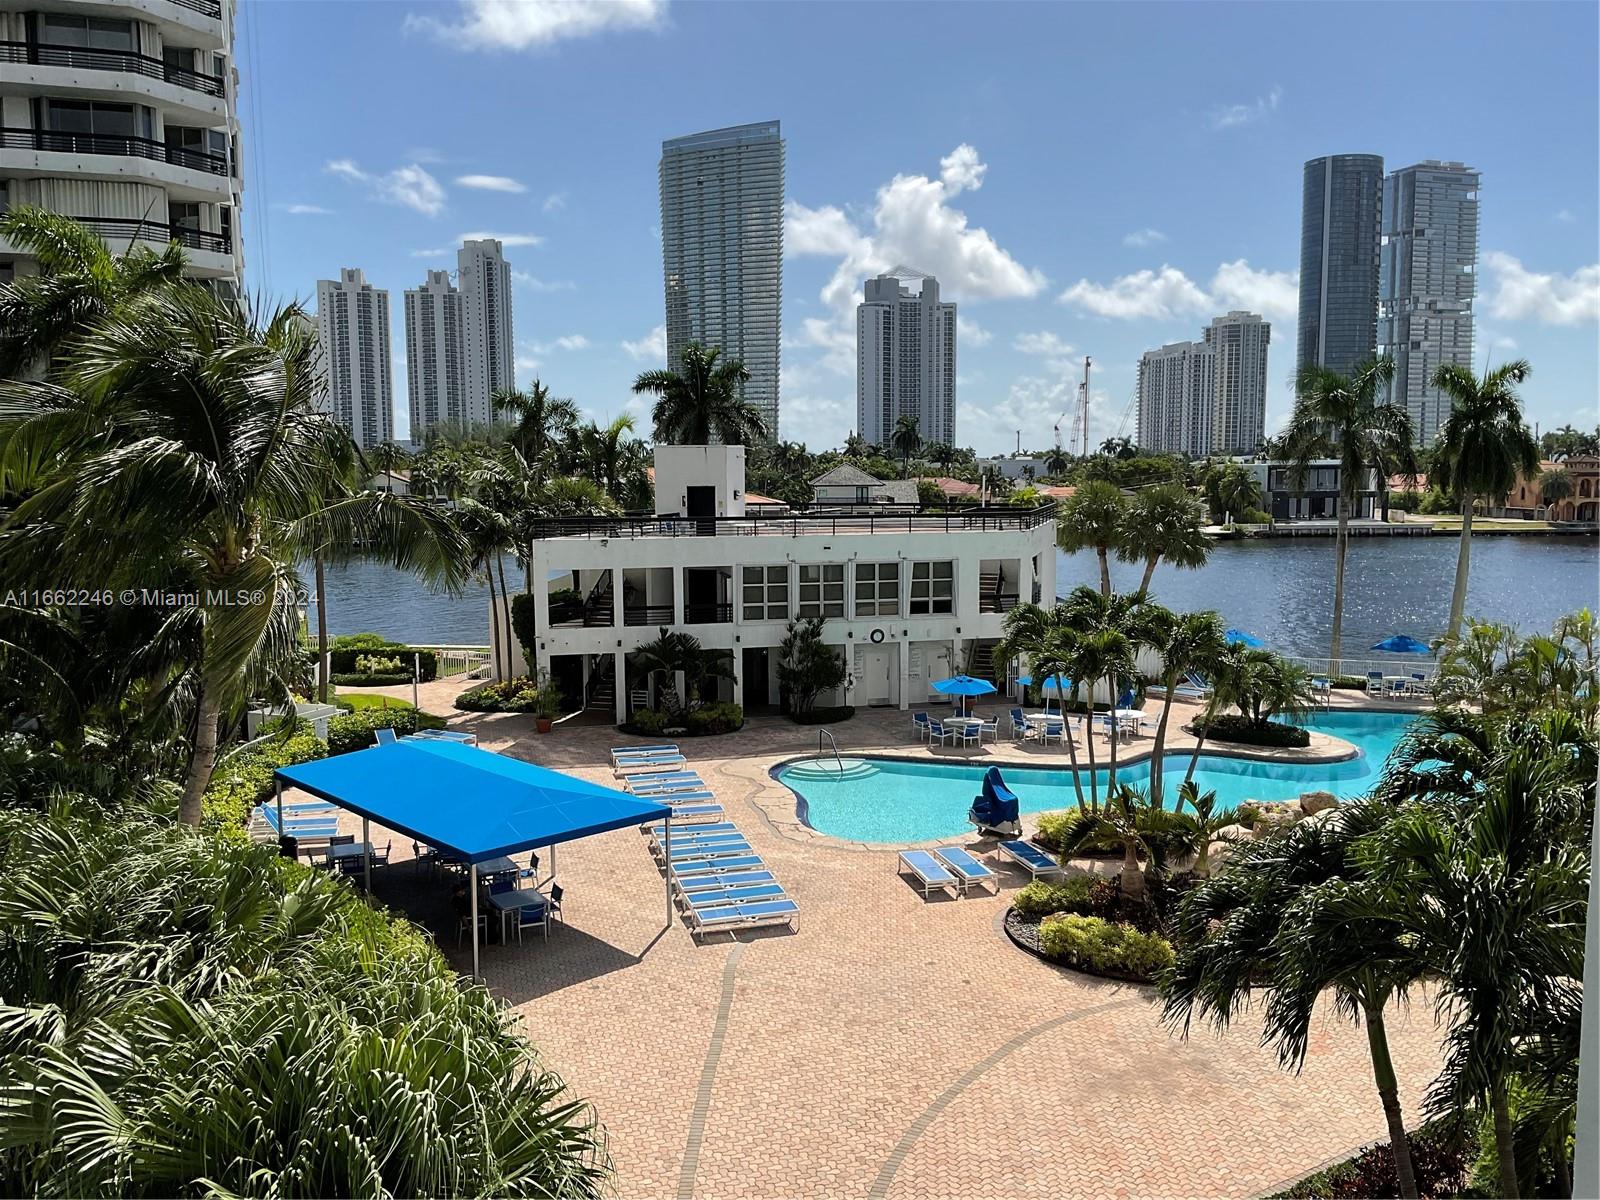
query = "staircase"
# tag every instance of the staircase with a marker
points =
(602, 686)
(983, 661)
(597, 610)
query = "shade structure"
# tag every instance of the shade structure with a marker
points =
(1239, 637)
(963, 685)
(1402, 644)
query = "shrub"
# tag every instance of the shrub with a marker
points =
(807, 666)
(1042, 897)
(357, 730)
(1235, 728)
(1051, 826)
(649, 720)
(345, 655)
(359, 641)
(1350, 683)
(1105, 947)
(722, 717)
(366, 679)
(1247, 814)
(1256, 516)
(376, 664)
(1440, 1155)
(244, 780)
(824, 716)
(506, 695)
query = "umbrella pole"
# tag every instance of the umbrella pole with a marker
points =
(472, 889)
(366, 854)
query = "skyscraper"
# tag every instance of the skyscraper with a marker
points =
(905, 358)
(488, 351)
(1427, 279)
(353, 328)
(124, 117)
(434, 377)
(722, 250)
(1339, 261)
(1239, 402)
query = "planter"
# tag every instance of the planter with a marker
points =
(543, 724)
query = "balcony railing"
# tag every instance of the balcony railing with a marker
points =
(156, 231)
(647, 614)
(85, 59)
(707, 614)
(209, 8)
(56, 142)
(801, 524)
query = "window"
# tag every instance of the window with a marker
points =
(96, 117)
(766, 593)
(877, 589)
(933, 589)
(822, 590)
(93, 33)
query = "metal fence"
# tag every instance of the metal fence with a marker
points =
(1399, 664)
(471, 661)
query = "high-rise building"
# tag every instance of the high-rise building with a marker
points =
(1239, 401)
(1339, 261)
(489, 354)
(353, 329)
(1206, 397)
(905, 358)
(1427, 279)
(435, 380)
(121, 114)
(722, 251)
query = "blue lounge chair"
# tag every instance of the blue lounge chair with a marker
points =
(386, 737)
(732, 895)
(732, 917)
(694, 815)
(1031, 859)
(443, 735)
(734, 849)
(688, 845)
(674, 799)
(929, 871)
(717, 866)
(634, 751)
(628, 766)
(967, 868)
(687, 781)
(648, 756)
(725, 879)
(657, 829)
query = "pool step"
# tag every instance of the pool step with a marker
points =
(825, 770)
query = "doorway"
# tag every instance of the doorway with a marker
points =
(702, 503)
(875, 687)
(756, 671)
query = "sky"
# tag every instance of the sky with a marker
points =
(1083, 179)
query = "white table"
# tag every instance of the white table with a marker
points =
(1128, 719)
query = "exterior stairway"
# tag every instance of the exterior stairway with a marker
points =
(983, 661)
(602, 686)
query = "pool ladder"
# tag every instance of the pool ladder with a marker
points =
(823, 733)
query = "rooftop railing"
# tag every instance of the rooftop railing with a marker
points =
(801, 524)
(209, 8)
(91, 59)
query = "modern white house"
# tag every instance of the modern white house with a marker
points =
(908, 597)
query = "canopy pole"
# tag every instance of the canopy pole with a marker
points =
(472, 889)
(278, 784)
(666, 826)
(366, 854)
(552, 874)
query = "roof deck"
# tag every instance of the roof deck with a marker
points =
(819, 522)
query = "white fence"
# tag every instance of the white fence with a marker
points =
(1399, 664)
(471, 661)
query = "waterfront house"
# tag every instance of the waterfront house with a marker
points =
(1313, 495)
(910, 596)
(1526, 499)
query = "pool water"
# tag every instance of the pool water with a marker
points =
(886, 800)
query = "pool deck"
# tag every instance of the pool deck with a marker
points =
(893, 1046)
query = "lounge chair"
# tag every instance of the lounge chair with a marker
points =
(629, 751)
(628, 767)
(967, 868)
(694, 815)
(737, 848)
(682, 844)
(725, 879)
(670, 795)
(386, 737)
(678, 781)
(717, 866)
(443, 735)
(647, 756)
(929, 871)
(1031, 859)
(919, 725)
(716, 897)
(732, 917)
(656, 829)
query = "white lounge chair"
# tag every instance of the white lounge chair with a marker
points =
(733, 917)
(967, 868)
(929, 872)
(1031, 859)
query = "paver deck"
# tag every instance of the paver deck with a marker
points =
(894, 1046)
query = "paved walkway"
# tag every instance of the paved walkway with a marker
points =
(893, 1046)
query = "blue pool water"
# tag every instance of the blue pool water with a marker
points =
(884, 800)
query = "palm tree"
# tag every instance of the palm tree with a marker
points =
(1259, 683)
(78, 283)
(1483, 447)
(702, 401)
(1056, 461)
(192, 431)
(388, 458)
(674, 653)
(543, 422)
(1125, 823)
(485, 536)
(1339, 416)
(1556, 484)
(609, 458)
(1163, 522)
(1230, 489)
(906, 440)
(856, 446)
(1109, 630)
(941, 454)
(1187, 642)
(1043, 636)
(1203, 826)
(1092, 518)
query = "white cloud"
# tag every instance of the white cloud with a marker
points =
(522, 24)
(1040, 343)
(1034, 403)
(306, 210)
(960, 169)
(820, 421)
(970, 333)
(824, 230)
(1565, 216)
(505, 239)
(571, 341)
(491, 183)
(1168, 293)
(652, 347)
(543, 285)
(1144, 237)
(409, 186)
(525, 363)
(554, 202)
(438, 252)
(1233, 115)
(1518, 294)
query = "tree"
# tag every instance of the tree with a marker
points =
(1056, 461)
(702, 401)
(1163, 522)
(192, 431)
(1567, 442)
(1483, 447)
(941, 454)
(1203, 825)
(1187, 643)
(1106, 634)
(807, 666)
(856, 446)
(1042, 636)
(387, 458)
(1230, 490)
(906, 439)
(1259, 683)
(615, 461)
(1339, 416)
(1556, 484)
(681, 653)
(1125, 823)
(1119, 447)
(1092, 518)
(541, 422)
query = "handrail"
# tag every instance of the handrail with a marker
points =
(794, 524)
(46, 54)
(61, 142)
(823, 733)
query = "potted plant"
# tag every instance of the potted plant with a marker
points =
(547, 703)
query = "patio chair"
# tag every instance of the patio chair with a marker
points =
(1031, 859)
(938, 732)
(929, 872)
(530, 915)
(338, 839)
(1418, 685)
(1019, 725)
(992, 728)
(386, 737)
(552, 902)
(967, 868)
(1321, 690)
(463, 911)
(745, 916)
(1399, 689)
(919, 725)
(1053, 727)
(531, 871)
(1374, 683)
(968, 733)
(423, 855)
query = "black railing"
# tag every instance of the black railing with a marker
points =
(104, 143)
(210, 8)
(647, 614)
(799, 524)
(156, 231)
(86, 59)
(707, 614)
(998, 602)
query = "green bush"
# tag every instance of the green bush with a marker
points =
(245, 779)
(508, 695)
(1247, 814)
(523, 625)
(1043, 897)
(252, 1028)
(345, 655)
(367, 679)
(649, 720)
(1256, 516)
(722, 717)
(357, 730)
(359, 641)
(824, 716)
(1105, 947)
(1350, 683)
(1240, 729)
(1051, 825)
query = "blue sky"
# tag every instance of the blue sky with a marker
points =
(1083, 178)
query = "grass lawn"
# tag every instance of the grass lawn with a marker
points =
(357, 701)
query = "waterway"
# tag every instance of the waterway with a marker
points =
(1280, 589)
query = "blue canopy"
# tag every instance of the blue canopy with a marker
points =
(963, 685)
(1402, 644)
(473, 803)
(1238, 637)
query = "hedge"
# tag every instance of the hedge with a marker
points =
(708, 720)
(360, 679)
(245, 780)
(358, 730)
(1042, 897)
(824, 716)
(344, 651)
(1441, 1155)
(1245, 732)
(509, 695)
(1105, 947)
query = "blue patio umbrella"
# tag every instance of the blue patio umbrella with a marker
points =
(1402, 644)
(1238, 637)
(963, 685)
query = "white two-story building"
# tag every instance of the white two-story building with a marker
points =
(908, 597)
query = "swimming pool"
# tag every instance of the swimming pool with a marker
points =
(888, 800)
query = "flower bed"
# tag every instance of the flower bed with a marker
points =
(1081, 922)
(1244, 732)
(709, 720)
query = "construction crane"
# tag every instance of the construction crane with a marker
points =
(1080, 419)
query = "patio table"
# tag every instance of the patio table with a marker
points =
(1128, 719)
(355, 850)
(515, 901)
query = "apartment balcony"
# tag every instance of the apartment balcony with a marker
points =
(121, 61)
(134, 229)
(708, 614)
(51, 141)
(648, 614)
(206, 8)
